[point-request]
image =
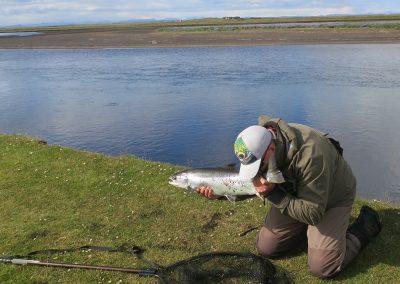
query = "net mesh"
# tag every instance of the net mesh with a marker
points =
(220, 268)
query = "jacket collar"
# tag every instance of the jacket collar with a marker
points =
(286, 140)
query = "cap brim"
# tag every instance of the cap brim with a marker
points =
(249, 171)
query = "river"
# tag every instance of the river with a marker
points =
(186, 105)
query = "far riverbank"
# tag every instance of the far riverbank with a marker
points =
(154, 37)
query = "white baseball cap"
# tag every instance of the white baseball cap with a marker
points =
(249, 147)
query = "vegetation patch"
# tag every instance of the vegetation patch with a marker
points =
(239, 28)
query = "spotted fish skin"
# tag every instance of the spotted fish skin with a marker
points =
(224, 182)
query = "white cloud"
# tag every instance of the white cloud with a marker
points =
(255, 3)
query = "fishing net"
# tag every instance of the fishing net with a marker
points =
(220, 268)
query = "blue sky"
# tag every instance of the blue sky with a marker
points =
(31, 12)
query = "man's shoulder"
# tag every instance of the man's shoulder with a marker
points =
(310, 138)
(313, 147)
(308, 130)
(265, 120)
(300, 138)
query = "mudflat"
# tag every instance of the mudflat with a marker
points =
(153, 37)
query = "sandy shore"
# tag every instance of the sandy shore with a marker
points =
(138, 38)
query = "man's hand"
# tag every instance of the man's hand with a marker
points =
(207, 192)
(262, 186)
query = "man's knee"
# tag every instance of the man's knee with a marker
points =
(324, 263)
(267, 243)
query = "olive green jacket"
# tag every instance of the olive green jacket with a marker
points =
(316, 175)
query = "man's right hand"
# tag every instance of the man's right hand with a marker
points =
(262, 185)
(207, 192)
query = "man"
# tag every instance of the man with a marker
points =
(311, 189)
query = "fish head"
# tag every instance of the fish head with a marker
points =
(179, 180)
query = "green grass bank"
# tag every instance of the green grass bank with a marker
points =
(56, 197)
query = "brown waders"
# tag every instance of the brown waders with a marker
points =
(330, 247)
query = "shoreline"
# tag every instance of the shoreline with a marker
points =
(190, 46)
(44, 143)
(153, 38)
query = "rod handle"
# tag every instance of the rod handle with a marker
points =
(22, 261)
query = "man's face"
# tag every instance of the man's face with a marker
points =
(260, 183)
(264, 163)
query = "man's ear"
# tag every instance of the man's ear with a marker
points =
(272, 146)
(270, 150)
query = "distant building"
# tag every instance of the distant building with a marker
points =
(231, 18)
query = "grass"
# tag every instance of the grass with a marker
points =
(56, 197)
(224, 28)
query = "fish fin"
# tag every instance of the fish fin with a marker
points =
(231, 198)
(259, 195)
(191, 189)
(231, 166)
(226, 168)
(262, 197)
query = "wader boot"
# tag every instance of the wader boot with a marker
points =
(367, 226)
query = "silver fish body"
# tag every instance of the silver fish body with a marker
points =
(223, 182)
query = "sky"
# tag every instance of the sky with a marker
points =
(37, 12)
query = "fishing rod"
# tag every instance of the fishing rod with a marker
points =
(131, 250)
(22, 261)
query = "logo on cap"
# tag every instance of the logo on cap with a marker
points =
(243, 153)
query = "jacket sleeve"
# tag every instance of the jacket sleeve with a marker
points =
(313, 179)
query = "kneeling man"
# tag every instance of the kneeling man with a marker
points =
(311, 188)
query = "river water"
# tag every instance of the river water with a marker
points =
(186, 105)
(16, 34)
